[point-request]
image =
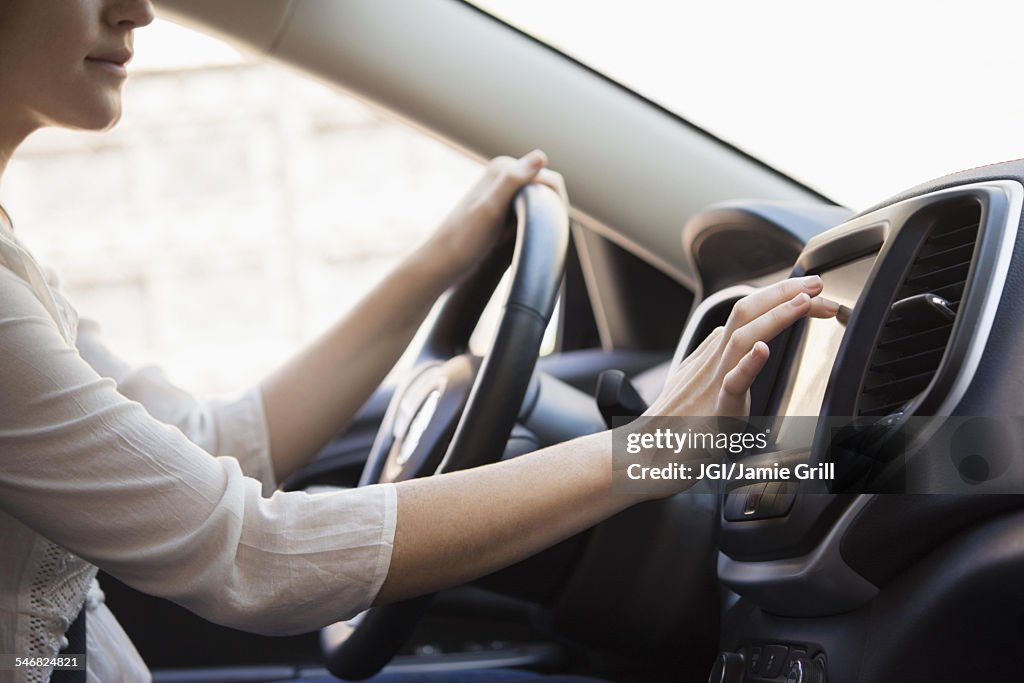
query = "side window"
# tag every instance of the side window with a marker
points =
(235, 212)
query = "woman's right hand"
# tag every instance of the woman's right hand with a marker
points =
(713, 383)
(715, 379)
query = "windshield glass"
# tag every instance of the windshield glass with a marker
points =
(857, 100)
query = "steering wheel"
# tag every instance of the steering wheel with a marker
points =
(456, 410)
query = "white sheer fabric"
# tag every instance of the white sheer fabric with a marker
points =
(105, 465)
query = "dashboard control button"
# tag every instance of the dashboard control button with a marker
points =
(773, 659)
(796, 663)
(796, 672)
(734, 505)
(744, 503)
(795, 654)
(753, 500)
(754, 659)
(728, 668)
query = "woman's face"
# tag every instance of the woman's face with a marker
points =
(62, 61)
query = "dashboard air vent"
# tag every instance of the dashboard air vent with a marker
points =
(921, 317)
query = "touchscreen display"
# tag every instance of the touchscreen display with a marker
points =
(812, 362)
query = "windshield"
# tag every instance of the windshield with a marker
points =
(858, 101)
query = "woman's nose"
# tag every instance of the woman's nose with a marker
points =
(129, 14)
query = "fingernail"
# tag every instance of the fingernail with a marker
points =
(800, 300)
(535, 159)
(811, 280)
(830, 306)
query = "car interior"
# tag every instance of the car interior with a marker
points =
(669, 226)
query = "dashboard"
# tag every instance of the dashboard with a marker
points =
(918, 282)
(860, 579)
(929, 282)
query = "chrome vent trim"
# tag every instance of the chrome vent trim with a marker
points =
(991, 294)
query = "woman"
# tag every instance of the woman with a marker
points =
(92, 479)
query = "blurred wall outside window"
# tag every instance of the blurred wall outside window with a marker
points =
(236, 211)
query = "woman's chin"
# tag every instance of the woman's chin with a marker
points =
(99, 116)
(85, 105)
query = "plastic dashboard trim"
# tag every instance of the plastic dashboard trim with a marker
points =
(821, 582)
(817, 584)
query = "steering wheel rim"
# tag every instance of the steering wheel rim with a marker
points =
(463, 406)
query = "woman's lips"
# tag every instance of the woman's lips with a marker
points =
(111, 67)
(112, 61)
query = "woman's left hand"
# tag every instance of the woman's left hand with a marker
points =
(473, 226)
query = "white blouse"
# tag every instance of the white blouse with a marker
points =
(105, 466)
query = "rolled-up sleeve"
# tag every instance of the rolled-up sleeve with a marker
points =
(95, 472)
(234, 426)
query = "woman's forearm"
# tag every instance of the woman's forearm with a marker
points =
(310, 398)
(459, 526)
(455, 527)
